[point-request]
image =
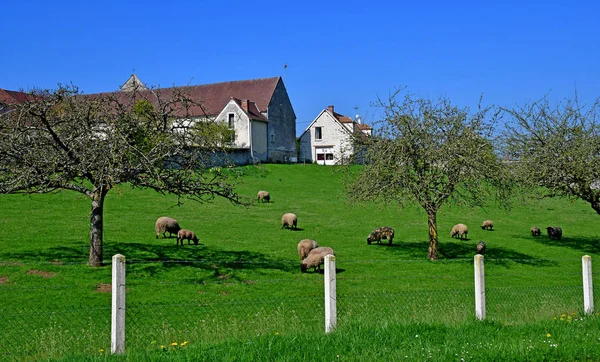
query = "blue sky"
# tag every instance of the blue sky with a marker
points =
(340, 53)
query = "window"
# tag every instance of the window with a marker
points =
(329, 156)
(320, 156)
(318, 133)
(230, 118)
(272, 138)
(230, 138)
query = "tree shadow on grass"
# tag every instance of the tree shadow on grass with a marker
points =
(466, 251)
(588, 245)
(158, 257)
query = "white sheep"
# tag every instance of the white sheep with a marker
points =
(188, 235)
(164, 224)
(264, 196)
(289, 220)
(305, 246)
(316, 258)
(459, 230)
(487, 225)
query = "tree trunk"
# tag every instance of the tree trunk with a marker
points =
(96, 225)
(432, 253)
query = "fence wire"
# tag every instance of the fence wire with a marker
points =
(207, 311)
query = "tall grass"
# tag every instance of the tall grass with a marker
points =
(240, 293)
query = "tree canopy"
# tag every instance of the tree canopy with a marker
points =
(429, 151)
(62, 139)
(555, 148)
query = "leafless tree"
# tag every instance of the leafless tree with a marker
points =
(62, 139)
(555, 148)
(429, 151)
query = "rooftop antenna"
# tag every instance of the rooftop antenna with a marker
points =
(190, 81)
(285, 72)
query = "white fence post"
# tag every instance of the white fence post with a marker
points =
(117, 328)
(588, 286)
(479, 288)
(330, 294)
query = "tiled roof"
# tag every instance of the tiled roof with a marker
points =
(252, 112)
(213, 97)
(8, 96)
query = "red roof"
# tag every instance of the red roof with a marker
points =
(250, 109)
(213, 97)
(12, 97)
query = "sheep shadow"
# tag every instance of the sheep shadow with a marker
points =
(295, 229)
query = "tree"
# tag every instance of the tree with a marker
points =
(429, 152)
(556, 147)
(63, 139)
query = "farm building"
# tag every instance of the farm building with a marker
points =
(327, 140)
(258, 112)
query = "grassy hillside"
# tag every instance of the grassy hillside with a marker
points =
(244, 278)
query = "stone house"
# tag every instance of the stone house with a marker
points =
(258, 111)
(328, 138)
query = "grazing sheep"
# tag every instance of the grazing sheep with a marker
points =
(305, 246)
(535, 231)
(459, 230)
(164, 224)
(184, 234)
(264, 196)
(384, 232)
(487, 225)
(480, 248)
(315, 258)
(554, 232)
(289, 220)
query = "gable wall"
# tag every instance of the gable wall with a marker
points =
(282, 126)
(335, 140)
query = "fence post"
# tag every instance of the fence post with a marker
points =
(479, 288)
(330, 294)
(588, 286)
(117, 328)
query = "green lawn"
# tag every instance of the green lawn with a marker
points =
(241, 289)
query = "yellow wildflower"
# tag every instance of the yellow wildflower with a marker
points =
(174, 344)
(548, 335)
(184, 343)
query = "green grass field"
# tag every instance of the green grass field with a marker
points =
(239, 295)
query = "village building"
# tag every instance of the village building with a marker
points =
(328, 138)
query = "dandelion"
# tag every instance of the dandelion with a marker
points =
(101, 350)
(548, 335)
(184, 343)
(174, 344)
(563, 315)
(276, 333)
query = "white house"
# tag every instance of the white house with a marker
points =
(249, 127)
(327, 140)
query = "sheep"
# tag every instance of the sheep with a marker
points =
(480, 248)
(164, 224)
(315, 258)
(184, 234)
(305, 246)
(264, 196)
(289, 220)
(535, 231)
(384, 232)
(487, 225)
(554, 232)
(459, 230)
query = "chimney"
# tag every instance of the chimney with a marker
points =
(245, 105)
(330, 108)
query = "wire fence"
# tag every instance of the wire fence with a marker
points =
(40, 321)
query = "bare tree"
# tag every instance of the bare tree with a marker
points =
(428, 151)
(62, 139)
(557, 147)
